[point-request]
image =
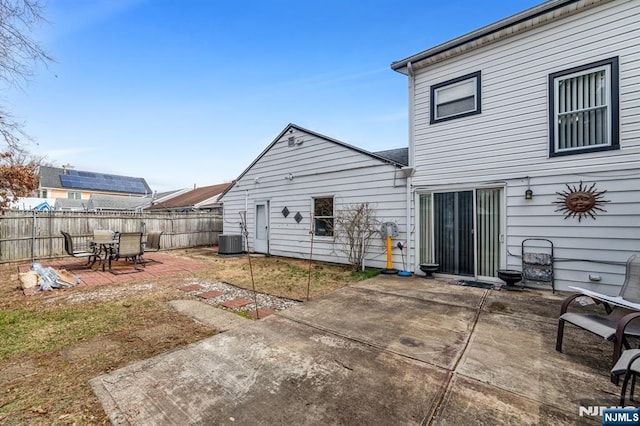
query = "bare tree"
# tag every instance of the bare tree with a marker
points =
(355, 227)
(19, 53)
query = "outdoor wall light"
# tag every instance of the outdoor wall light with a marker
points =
(528, 194)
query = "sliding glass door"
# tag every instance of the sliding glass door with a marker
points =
(460, 230)
(488, 226)
(453, 232)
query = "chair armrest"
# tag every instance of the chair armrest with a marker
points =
(620, 329)
(567, 301)
(572, 297)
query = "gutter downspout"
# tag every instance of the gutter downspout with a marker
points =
(411, 91)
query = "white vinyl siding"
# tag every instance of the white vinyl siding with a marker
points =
(511, 136)
(292, 176)
(592, 246)
(510, 140)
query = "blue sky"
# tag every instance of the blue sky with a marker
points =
(189, 92)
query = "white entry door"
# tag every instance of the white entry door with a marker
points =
(261, 236)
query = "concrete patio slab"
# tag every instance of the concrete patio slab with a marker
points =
(426, 289)
(518, 303)
(470, 401)
(386, 351)
(518, 355)
(413, 327)
(261, 375)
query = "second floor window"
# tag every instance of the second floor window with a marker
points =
(74, 195)
(456, 98)
(583, 109)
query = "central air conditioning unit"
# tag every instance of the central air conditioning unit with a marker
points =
(230, 244)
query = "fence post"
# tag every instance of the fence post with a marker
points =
(50, 233)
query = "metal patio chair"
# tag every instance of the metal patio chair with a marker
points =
(629, 365)
(73, 251)
(618, 322)
(152, 245)
(129, 246)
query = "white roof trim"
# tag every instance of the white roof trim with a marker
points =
(523, 21)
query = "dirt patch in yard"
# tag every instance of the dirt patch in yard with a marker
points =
(52, 343)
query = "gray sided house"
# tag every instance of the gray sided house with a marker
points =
(103, 203)
(530, 128)
(304, 178)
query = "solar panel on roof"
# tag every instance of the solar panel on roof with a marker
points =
(102, 182)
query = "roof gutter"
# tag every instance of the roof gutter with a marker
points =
(523, 21)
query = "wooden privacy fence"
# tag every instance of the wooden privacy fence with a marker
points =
(31, 235)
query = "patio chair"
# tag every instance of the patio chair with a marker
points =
(129, 247)
(103, 235)
(152, 245)
(617, 324)
(629, 365)
(72, 251)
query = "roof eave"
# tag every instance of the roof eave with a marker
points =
(489, 30)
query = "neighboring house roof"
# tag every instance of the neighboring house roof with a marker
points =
(159, 197)
(78, 180)
(392, 156)
(399, 155)
(33, 203)
(115, 202)
(198, 198)
(71, 204)
(519, 22)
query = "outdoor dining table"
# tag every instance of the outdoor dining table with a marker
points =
(614, 300)
(104, 250)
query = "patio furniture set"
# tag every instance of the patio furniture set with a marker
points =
(618, 323)
(107, 246)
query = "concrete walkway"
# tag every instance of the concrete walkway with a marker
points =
(386, 351)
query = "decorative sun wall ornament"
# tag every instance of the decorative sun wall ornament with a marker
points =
(580, 201)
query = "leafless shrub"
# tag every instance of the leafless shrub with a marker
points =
(355, 228)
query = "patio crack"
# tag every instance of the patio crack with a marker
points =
(448, 384)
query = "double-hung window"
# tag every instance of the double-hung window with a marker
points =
(456, 98)
(584, 109)
(323, 216)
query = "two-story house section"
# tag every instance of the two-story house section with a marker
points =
(530, 128)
